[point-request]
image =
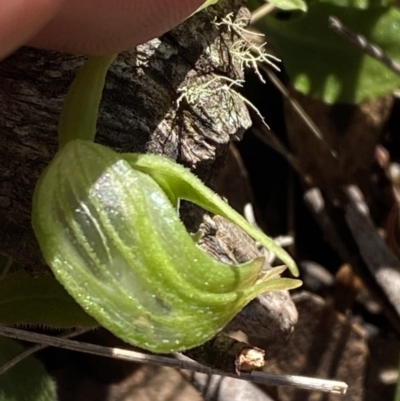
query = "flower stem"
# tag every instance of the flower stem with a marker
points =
(79, 114)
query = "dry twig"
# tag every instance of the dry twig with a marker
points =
(182, 362)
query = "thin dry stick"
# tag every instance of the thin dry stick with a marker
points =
(294, 103)
(261, 12)
(362, 43)
(269, 138)
(181, 363)
(29, 351)
(300, 382)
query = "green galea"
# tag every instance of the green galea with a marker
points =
(108, 227)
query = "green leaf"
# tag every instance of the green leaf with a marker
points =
(113, 238)
(282, 4)
(39, 301)
(325, 66)
(290, 4)
(26, 381)
(361, 4)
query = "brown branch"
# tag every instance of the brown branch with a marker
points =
(229, 355)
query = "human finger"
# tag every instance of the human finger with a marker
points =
(110, 26)
(20, 19)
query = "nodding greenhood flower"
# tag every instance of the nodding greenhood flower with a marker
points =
(108, 227)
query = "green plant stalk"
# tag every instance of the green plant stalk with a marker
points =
(84, 98)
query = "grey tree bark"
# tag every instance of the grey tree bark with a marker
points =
(165, 97)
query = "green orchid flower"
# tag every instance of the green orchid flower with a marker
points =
(108, 227)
